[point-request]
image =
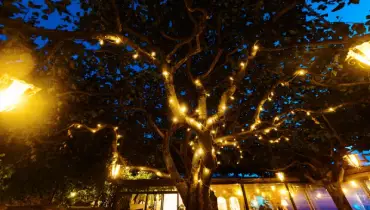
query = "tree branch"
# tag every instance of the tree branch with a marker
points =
(118, 19)
(283, 11)
(215, 60)
(341, 85)
(71, 35)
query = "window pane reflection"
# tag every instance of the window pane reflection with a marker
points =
(170, 202)
(154, 202)
(229, 196)
(138, 202)
(355, 195)
(267, 196)
(320, 198)
(299, 197)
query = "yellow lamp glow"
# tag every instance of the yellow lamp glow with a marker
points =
(360, 53)
(115, 170)
(280, 176)
(352, 160)
(13, 94)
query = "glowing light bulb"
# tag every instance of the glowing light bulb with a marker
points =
(331, 109)
(280, 176)
(93, 130)
(170, 100)
(283, 191)
(286, 139)
(301, 72)
(242, 64)
(153, 54)
(261, 108)
(119, 136)
(344, 189)
(206, 170)
(191, 143)
(308, 113)
(115, 128)
(200, 151)
(276, 118)
(117, 40)
(255, 47)
(101, 42)
(197, 82)
(267, 130)
(242, 129)
(218, 163)
(158, 174)
(224, 108)
(135, 56)
(72, 194)
(213, 131)
(273, 188)
(232, 97)
(318, 195)
(78, 126)
(284, 203)
(165, 73)
(188, 129)
(175, 120)
(183, 109)
(353, 183)
(231, 78)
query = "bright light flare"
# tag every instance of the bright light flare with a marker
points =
(12, 95)
(352, 160)
(115, 170)
(280, 176)
(360, 53)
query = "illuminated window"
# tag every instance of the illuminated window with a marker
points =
(320, 198)
(232, 194)
(356, 195)
(267, 196)
(221, 203)
(299, 196)
(154, 202)
(170, 202)
(234, 203)
(137, 201)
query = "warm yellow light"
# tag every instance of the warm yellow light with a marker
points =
(318, 195)
(301, 72)
(224, 108)
(255, 47)
(239, 192)
(165, 74)
(308, 113)
(231, 78)
(11, 96)
(276, 118)
(200, 151)
(258, 191)
(115, 128)
(213, 131)
(218, 163)
(119, 136)
(199, 125)
(93, 130)
(273, 188)
(360, 53)
(286, 139)
(283, 191)
(267, 130)
(135, 56)
(101, 42)
(183, 109)
(191, 143)
(352, 160)
(72, 194)
(331, 109)
(188, 129)
(232, 97)
(170, 100)
(78, 126)
(197, 82)
(353, 183)
(280, 176)
(344, 189)
(115, 170)
(153, 54)
(158, 174)
(284, 203)
(175, 120)
(206, 170)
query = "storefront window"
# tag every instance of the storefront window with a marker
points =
(268, 196)
(299, 197)
(154, 202)
(229, 196)
(355, 195)
(170, 202)
(320, 198)
(138, 202)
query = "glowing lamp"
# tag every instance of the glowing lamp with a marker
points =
(115, 170)
(360, 53)
(13, 92)
(280, 176)
(352, 160)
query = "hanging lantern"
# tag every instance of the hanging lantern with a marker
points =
(360, 53)
(13, 92)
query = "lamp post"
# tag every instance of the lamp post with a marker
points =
(360, 53)
(13, 91)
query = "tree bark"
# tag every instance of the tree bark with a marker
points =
(338, 196)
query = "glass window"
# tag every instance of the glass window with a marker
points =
(320, 198)
(268, 196)
(299, 197)
(138, 202)
(355, 195)
(170, 202)
(154, 202)
(221, 203)
(231, 195)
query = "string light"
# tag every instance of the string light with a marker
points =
(135, 56)
(331, 109)
(197, 82)
(242, 64)
(153, 54)
(308, 113)
(353, 184)
(301, 72)
(183, 109)
(231, 78)
(101, 42)
(175, 120)
(165, 73)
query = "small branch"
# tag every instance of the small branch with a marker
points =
(284, 11)
(286, 167)
(327, 122)
(118, 19)
(197, 50)
(215, 60)
(341, 85)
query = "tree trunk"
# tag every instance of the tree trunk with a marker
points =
(201, 198)
(338, 196)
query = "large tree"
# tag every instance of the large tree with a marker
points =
(213, 86)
